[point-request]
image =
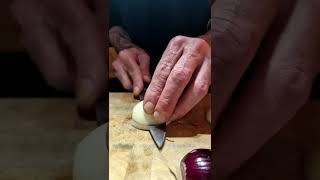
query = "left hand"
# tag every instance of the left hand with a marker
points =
(181, 79)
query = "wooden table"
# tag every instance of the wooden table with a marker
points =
(133, 154)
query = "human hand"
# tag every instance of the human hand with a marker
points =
(280, 41)
(66, 40)
(181, 79)
(132, 69)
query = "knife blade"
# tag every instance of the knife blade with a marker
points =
(158, 133)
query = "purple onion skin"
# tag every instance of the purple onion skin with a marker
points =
(196, 165)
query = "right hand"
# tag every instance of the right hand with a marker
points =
(66, 40)
(132, 69)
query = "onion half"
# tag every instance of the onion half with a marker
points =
(196, 165)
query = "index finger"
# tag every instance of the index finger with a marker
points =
(135, 73)
(167, 62)
(178, 79)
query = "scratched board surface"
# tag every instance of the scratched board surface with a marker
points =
(133, 154)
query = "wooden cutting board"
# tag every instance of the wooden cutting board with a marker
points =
(133, 154)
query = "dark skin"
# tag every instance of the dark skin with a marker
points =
(280, 41)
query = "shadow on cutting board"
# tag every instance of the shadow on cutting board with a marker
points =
(193, 123)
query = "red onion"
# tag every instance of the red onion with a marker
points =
(196, 165)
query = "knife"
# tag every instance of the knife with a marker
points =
(158, 132)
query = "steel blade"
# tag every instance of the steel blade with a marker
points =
(158, 134)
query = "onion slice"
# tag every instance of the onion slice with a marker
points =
(196, 165)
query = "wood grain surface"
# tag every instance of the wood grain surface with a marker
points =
(133, 154)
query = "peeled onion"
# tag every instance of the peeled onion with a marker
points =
(196, 165)
(141, 119)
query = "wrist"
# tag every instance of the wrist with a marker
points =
(124, 47)
(120, 39)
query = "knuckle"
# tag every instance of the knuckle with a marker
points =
(199, 43)
(177, 40)
(115, 64)
(201, 87)
(194, 53)
(197, 48)
(161, 78)
(298, 84)
(164, 103)
(144, 57)
(155, 90)
(124, 53)
(136, 73)
(295, 84)
(172, 53)
(162, 72)
(179, 76)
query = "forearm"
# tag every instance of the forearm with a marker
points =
(120, 39)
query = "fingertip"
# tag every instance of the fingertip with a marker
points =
(136, 91)
(158, 116)
(149, 107)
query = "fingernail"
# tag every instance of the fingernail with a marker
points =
(85, 93)
(136, 91)
(159, 117)
(149, 108)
